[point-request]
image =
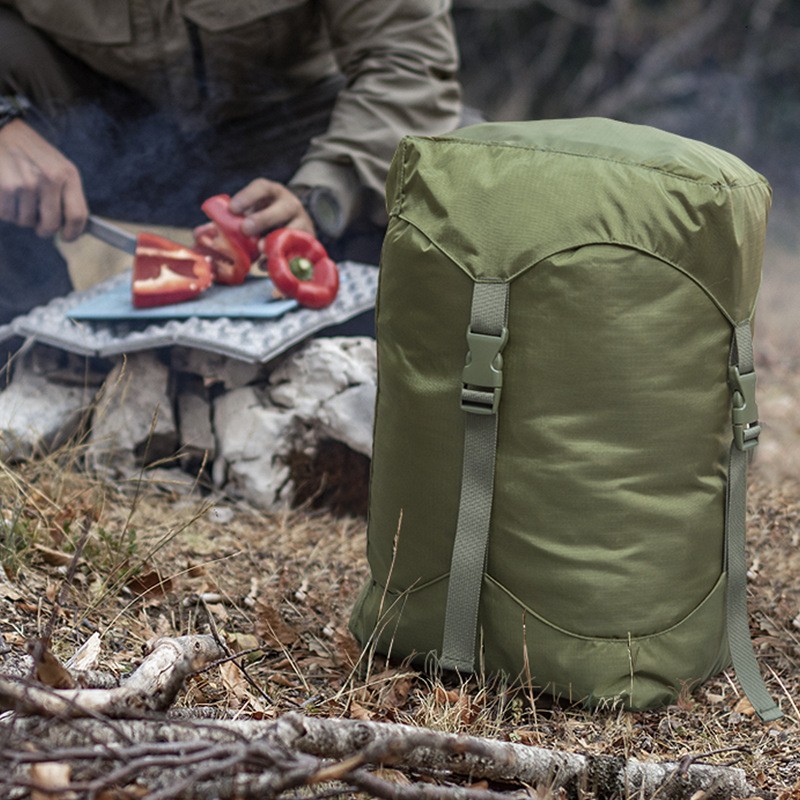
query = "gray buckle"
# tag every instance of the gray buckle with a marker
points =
(744, 410)
(483, 372)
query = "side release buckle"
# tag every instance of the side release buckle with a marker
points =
(744, 410)
(483, 373)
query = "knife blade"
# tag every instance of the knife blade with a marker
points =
(111, 234)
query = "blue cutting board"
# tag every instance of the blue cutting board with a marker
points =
(250, 300)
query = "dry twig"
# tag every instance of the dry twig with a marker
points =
(152, 687)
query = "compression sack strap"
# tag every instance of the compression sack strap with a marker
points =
(482, 382)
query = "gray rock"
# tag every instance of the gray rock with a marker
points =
(348, 417)
(326, 390)
(134, 422)
(251, 438)
(195, 430)
(156, 414)
(322, 369)
(38, 415)
(231, 372)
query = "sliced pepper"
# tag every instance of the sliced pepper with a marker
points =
(300, 268)
(231, 251)
(166, 272)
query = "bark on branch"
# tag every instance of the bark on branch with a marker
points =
(222, 758)
(435, 752)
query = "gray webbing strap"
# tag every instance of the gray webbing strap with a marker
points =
(480, 396)
(746, 430)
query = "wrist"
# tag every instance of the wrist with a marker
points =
(324, 209)
(13, 106)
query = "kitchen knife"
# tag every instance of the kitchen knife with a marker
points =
(111, 234)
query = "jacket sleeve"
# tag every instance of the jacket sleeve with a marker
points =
(400, 60)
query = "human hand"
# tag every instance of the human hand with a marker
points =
(40, 187)
(267, 205)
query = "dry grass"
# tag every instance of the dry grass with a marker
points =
(163, 560)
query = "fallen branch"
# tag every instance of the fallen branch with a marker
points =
(152, 687)
(256, 757)
(435, 753)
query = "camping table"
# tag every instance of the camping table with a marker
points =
(238, 321)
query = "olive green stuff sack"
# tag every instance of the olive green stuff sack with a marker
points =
(608, 274)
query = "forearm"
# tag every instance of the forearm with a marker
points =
(400, 61)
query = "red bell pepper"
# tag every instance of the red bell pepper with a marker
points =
(299, 267)
(231, 251)
(166, 272)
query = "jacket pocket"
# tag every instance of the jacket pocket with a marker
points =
(215, 17)
(95, 21)
(241, 40)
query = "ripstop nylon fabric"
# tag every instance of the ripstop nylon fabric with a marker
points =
(629, 254)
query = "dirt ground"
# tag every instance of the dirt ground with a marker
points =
(162, 560)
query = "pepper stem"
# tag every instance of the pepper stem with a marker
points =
(302, 268)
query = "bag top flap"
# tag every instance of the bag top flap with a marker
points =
(498, 198)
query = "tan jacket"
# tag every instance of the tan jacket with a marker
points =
(210, 61)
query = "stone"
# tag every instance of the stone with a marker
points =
(256, 432)
(322, 369)
(253, 443)
(231, 372)
(220, 515)
(195, 430)
(134, 423)
(38, 415)
(326, 390)
(348, 417)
